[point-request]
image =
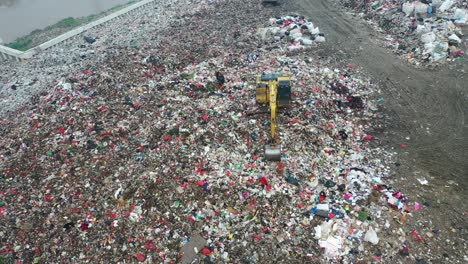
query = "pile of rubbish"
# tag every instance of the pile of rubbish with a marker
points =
(132, 150)
(421, 31)
(295, 30)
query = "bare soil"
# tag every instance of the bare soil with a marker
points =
(426, 110)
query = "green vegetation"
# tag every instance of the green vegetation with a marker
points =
(66, 24)
(21, 44)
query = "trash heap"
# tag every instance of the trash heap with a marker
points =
(421, 31)
(295, 30)
(132, 149)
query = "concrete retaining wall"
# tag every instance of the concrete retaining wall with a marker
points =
(7, 53)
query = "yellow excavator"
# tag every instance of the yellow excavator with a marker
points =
(273, 89)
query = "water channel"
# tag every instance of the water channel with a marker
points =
(20, 17)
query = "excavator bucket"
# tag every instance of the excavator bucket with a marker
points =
(273, 152)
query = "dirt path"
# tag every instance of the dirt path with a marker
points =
(424, 109)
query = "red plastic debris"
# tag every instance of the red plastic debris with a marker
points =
(322, 198)
(140, 257)
(111, 215)
(149, 245)
(280, 167)
(263, 181)
(416, 236)
(200, 183)
(257, 238)
(206, 251)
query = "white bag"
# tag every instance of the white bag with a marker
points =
(460, 16)
(296, 35)
(371, 236)
(408, 8)
(428, 37)
(437, 56)
(314, 31)
(428, 48)
(436, 3)
(454, 38)
(420, 8)
(446, 5)
(320, 39)
(306, 41)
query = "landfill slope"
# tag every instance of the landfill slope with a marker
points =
(425, 110)
(128, 149)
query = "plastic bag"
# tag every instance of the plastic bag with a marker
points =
(428, 48)
(446, 5)
(371, 236)
(441, 47)
(296, 35)
(454, 38)
(314, 31)
(320, 39)
(306, 41)
(408, 8)
(421, 29)
(460, 16)
(428, 37)
(437, 3)
(437, 56)
(420, 8)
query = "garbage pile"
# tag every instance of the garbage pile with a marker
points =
(295, 30)
(421, 31)
(134, 147)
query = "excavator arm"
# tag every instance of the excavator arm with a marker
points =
(273, 150)
(273, 98)
(273, 89)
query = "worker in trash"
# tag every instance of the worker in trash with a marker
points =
(220, 79)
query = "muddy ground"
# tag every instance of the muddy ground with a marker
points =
(425, 109)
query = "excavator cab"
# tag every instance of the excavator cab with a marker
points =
(273, 89)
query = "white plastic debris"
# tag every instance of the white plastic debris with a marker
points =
(428, 37)
(371, 236)
(455, 38)
(446, 5)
